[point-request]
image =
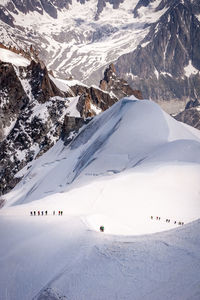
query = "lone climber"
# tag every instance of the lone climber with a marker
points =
(102, 228)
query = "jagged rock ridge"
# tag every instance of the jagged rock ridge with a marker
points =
(119, 87)
(191, 114)
(166, 65)
(51, 7)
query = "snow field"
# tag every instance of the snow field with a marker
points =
(128, 164)
(13, 58)
(125, 203)
(60, 255)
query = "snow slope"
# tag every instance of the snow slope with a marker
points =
(133, 157)
(13, 58)
(58, 256)
(129, 163)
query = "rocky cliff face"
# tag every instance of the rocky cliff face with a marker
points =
(118, 87)
(31, 110)
(191, 114)
(42, 88)
(93, 97)
(12, 96)
(167, 62)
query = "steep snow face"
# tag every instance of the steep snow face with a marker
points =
(129, 163)
(13, 58)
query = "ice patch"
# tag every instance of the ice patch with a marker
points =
(13, 58)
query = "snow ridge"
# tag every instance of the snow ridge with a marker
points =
(127, 143)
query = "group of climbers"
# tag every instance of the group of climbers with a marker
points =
(44, 213)
(167, 220)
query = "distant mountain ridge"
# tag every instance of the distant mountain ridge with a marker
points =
(153, 44)
(51, 7)
(76, 38)
(167, 62)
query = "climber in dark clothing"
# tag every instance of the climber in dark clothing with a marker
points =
(102, 228)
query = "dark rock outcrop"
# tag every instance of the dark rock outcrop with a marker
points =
(6, 17)
(2, 203)
(35, 131)
(71, 126)
(84, 106)
(92, 95)
(12, 96)
(192, 104)
(141, 3)
(119, 87)
(191, 114)
(25, 94)
(42, 87)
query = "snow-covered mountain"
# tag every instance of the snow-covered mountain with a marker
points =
(130, 169)
(122, 144)
(37, 109)
(154, 43)
(166, 64)
(122, 164)
(78, 39)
